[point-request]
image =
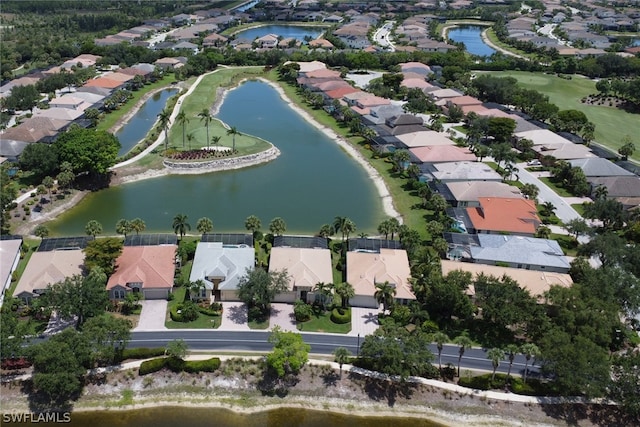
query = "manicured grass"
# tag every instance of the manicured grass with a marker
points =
(406, 201)
(579, 207)
(22, 264)
(202, 322)
(323, 323)
(493, 38)
(108, 120)
(203, 97)
(612, 124)
(258, 325)
(559, 190)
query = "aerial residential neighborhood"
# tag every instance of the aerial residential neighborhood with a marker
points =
(398, 212)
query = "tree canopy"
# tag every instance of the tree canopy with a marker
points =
(290, 352)
(88, 150)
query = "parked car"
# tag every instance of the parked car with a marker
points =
(534, 163)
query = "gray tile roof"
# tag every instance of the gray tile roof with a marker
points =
(519, 250)
(597, 166)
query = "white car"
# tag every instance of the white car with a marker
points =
(534, 163)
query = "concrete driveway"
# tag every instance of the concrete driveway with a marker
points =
(153, 315)
(282, 315)
(364, 321)
(234, 317)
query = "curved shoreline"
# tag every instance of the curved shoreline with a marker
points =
(134, 110)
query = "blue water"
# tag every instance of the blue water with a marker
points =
(311, 182)
(137, 127)
(286, 31)
(636, 42)
(470, 35)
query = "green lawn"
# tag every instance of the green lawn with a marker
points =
(612, 124)
(323, 323)
(202, 322)
(579, 207)
(559, 190)
(493, 38)
(203, 97)
(22, 264)
(568, 244)
(253, 324)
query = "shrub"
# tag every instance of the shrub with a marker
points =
(341, 315)
(208, 365)
(153, 365)
(173, 313)
(302, 311)
(15, 363)
(140, 353)
(209, 311)
(189, 311)
(175, 364)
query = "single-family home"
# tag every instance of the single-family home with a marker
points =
(366, 269)
(441, 154)
(46, 268)
(458, 171)
(423, 138)
(499, 215)
(468, 193)
(306, 268)
(597, 167)
(617, 186)
(536, 282)
(221, 266)
(144, 270)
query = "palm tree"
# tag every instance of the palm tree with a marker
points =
(530, 191)
(215, 139)
(464, 342)
(345, 291)
(165, 117)
(529, 350)
(277, 226)
(138, 225)
(324, 290)
(205, 116)
(204, 225)
(252, 224)
(123, 227)
(41, 231)
(48, 182)
(495, 355)
(93, 228)
(338, 222)
(325, 231)
(341, 355)
(348, 227)
(394, 226)
(400, 157)
(440, 338)
(195, 289)
(511, 350)
(190, 138)
(180, 225)
(548, 208)
(183, 120)
(383, 228)
(233, 132)
(384, 294)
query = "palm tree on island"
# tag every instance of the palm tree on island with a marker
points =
(183, 120)
(205, 116)
(180, 225)
(233, 132)
(215, 140)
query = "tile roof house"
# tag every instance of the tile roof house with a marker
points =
(502, 215)
(221, 267)
(536, 282)
(424, 138)
(366, 269)
(468, 193)
(459, 171)
(47, 268)
(306, 268)
(441, 154)
(529, 253)
(618, 186)
(9, 259)
(148, 270)
(596, 167)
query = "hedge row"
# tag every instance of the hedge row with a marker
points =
(341, 315)
(178, 365)
(140, 353)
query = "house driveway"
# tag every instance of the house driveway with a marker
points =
(364, 321)
(234, 317)
(282, 315)
(153, 315)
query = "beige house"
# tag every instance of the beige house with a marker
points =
(306, 268)
(536, 282)
(365, 269)
(47, 268)
(147, 270)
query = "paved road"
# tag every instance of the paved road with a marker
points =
(382, 36)
(474, 359)
(564, 211)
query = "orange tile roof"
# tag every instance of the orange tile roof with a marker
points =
(153, 266)
(104, 82)
(502, 214)
(339, 93)
(442, 154)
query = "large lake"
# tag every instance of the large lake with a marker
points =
(471, 36)
(286, 31)
(308, 185)
(193, 417)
